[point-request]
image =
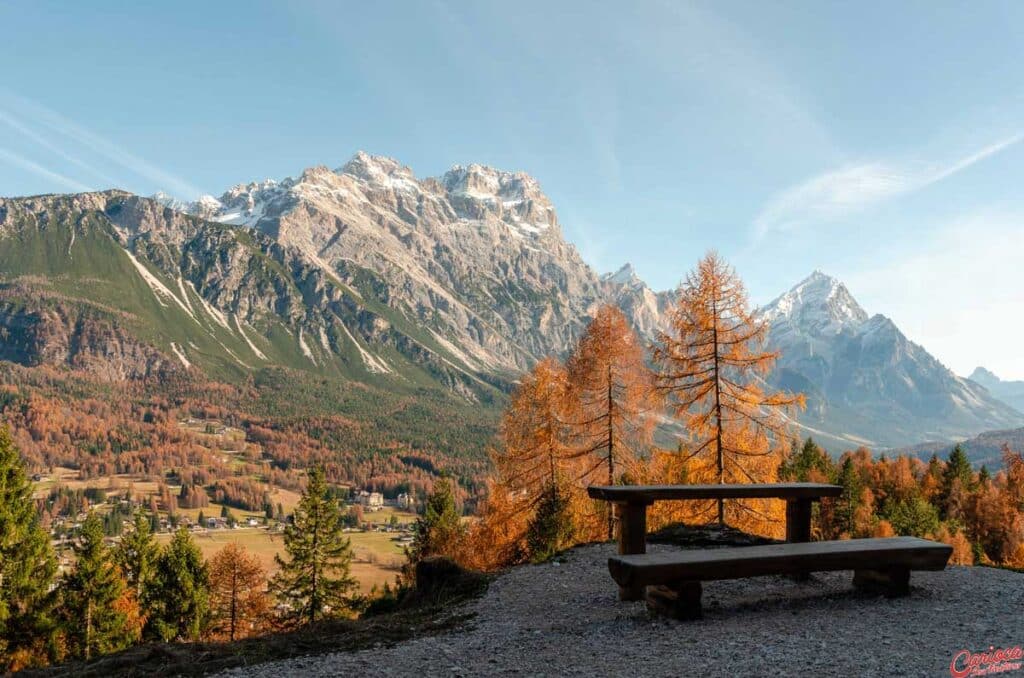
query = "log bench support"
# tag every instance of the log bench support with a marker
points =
(893, 582)
(679, 600)
(632, 539)
(798, 527)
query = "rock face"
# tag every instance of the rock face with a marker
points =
(475, 257)
(1010, 392)
(866, 382)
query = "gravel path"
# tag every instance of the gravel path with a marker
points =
(565, 620)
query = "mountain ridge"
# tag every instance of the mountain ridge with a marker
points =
(462, 280)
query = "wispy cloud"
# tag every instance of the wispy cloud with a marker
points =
(70, 130)
(41, 140)
(36, 168)
(856, 187)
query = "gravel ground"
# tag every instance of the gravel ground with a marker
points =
(565, 619)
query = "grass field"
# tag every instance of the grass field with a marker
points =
(376, 556)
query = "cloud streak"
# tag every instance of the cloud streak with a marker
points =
(39, 139)
(69, 129)
(856, 187)
(36, 168)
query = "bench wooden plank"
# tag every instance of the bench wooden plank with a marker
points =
(648, 494)
(752, 561)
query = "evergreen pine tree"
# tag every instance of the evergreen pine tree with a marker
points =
(551, 528)
(850, 481)
(93, 622)
(27, 566)
(177, 601)
(315, 580)
(809, 458)
(439, 528)
(136, 555)
(957, 472)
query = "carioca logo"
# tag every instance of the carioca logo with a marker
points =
(966, 663)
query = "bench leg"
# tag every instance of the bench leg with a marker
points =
(893, 582)
(681, 600)
(798, 527)
(632, 540)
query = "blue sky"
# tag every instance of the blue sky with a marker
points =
(879, 142)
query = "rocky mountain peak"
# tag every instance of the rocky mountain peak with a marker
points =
(819, 304)
(378, 170)
(626, 275)
(983, 376)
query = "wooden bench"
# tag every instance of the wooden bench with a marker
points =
(674, 579)
(632, 501)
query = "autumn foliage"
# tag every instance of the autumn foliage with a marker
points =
(710, 364)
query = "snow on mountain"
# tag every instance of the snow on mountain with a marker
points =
(866, 382)
(476, 259)
(475, 255)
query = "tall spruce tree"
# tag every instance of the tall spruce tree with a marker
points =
(439, 528)
(314, 581)
(95, 621)
(177, 601)
(27, 567)
(136, 555)
(846, 509)
(958, 477)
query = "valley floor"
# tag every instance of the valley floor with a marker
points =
(565, 619)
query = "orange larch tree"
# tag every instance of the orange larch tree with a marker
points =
(711, 369)
(611, 401)
(534, 432)
(239, 604)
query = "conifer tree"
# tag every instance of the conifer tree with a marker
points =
(439, 529)
(93, 622)
(551, 529)
(239, 605)
(136, 555)
(314, 581)
(27, 567)
(957, 479)
(611, 400)
(711, 367)
(177, 600)
(849, 500)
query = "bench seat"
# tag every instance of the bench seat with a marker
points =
(675, 577)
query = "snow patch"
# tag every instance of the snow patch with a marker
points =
(245, 337)
(160, 291)
(181, 355)
(305, 348)
(372, 362)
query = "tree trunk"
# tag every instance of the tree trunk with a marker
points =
(611, 452)
(718, 411)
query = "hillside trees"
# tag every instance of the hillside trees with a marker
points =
(611, 403)
(27, 567)
(710, 368)
(314, 580)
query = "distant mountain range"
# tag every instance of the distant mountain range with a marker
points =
(369, 274)
(1010, 392)
(866, 383)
